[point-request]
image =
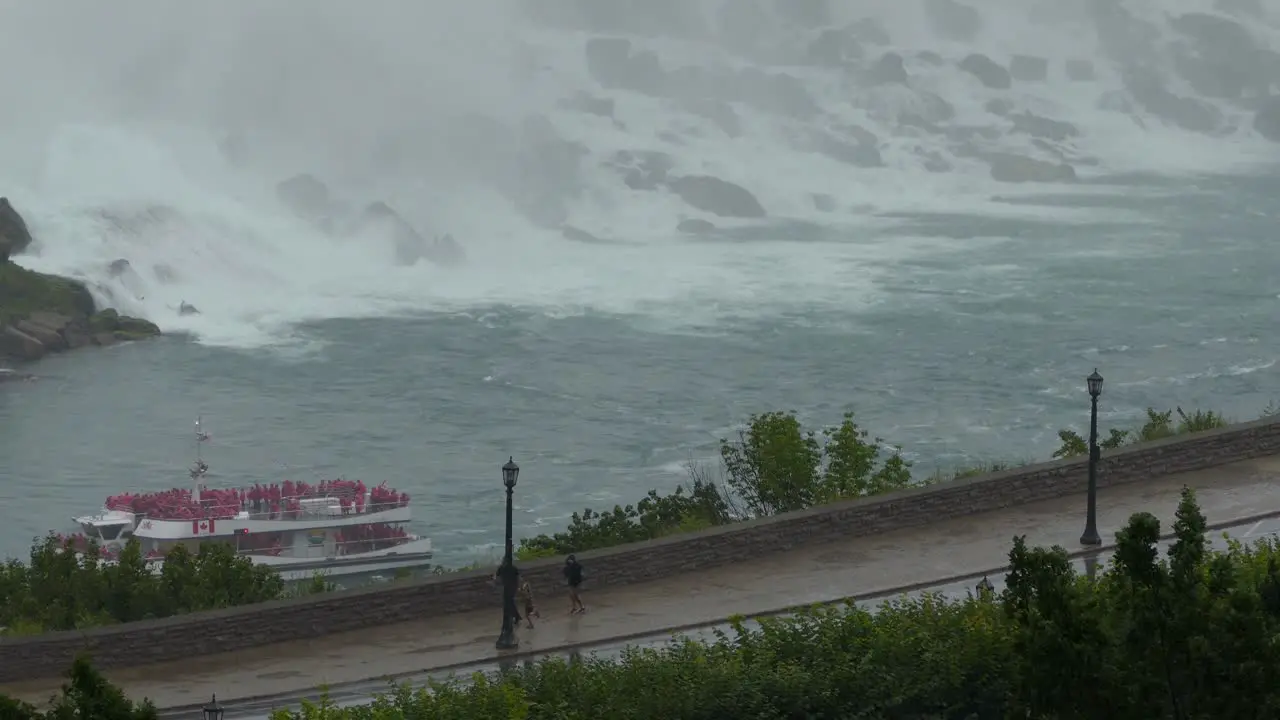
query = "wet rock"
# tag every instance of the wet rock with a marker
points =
(775, 92)
(823, 202)
(590, 104)
(642, 169)
(716, 196)
(612, 63)
(578, 235)
(1266, 120)
(834, 48)
(1220, 58)
(1187, 113)
(1079, 70)
(696, 226)
(888, 69)
(186, 308)
(929, 58)
(1007, 167)
(1028, 68)
(409, 245)
(953, 20)
(19, 345)
(988, 71)
(1042, 127)
(15, 237)
(118, 267)
(306, 196)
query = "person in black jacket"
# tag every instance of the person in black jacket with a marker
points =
(573, 575)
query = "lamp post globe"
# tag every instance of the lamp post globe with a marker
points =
(213, 711)
(1094, 383)
(510, 473)
(1091, 536)
(508, 573)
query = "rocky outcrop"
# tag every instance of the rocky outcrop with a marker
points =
(1267, 119)
(1042, 127)
(1149, 92)
(888, 69)
(14, 235)
(716, 196)
(1220, 58)
(410, 246)
(306, 196)
(988, 71)
(42, 314)
(1007, 167)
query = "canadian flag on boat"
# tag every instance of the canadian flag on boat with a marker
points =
(202, 526)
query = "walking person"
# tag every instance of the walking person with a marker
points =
(530, 609)
(573, 575)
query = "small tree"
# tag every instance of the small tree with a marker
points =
(777, 466)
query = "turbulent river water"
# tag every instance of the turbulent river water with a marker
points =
(584, 335)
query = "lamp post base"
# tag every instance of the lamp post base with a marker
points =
(1091, 537)
(507, 641)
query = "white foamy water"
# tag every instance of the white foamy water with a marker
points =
(114, 146)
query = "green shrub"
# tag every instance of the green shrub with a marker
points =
(59, 589)
(1159, 425)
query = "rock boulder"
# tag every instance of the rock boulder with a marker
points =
(716, 196)
(306, 196)
(1266, 119)
(988, 71)
(14, 235)
(887, 70)
(1007, 167)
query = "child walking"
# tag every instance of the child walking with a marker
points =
(530, 609)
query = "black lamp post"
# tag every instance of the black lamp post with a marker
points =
(212, 711)
(1090, 536)
(508, 573)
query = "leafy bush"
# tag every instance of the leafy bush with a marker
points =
(85, 696)
(774, 466)
(1189, 635)
(1159, 425)
(60, 589)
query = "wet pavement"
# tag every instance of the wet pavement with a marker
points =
(948, 555)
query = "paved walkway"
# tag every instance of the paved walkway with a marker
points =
(858, 566)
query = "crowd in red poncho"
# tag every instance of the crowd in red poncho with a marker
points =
(274, 501)
(367, 538)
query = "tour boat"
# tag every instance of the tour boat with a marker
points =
(340, 528)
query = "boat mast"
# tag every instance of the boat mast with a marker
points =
(200, 467)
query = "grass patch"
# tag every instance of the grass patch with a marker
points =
(23, 292)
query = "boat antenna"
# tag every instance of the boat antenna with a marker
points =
(200, 467)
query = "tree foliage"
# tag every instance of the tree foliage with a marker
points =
(1158, 425)
(775, 465)
(86, 695)
(1185, 634)
(59, 589)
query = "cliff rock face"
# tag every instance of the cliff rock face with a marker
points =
(40, 314)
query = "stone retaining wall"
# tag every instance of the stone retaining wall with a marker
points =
(176, 638)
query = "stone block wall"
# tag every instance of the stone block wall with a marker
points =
(242, 628)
